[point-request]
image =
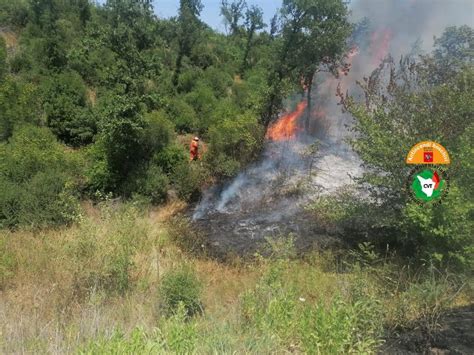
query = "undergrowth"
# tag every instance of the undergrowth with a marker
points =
(117, 283)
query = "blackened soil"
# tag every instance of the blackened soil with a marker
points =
(250, 232)
(454, 336)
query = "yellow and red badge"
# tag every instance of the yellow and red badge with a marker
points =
(428, 152)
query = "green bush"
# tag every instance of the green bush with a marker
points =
(181, 288)
(219, 80)
(99, 175)
(341, 328)
(148, 151)
(233, 144)
(182, 115)
(65, 104)
(178, 335)
(203, 101)
(19, 104)
(188, 79)
(139, 342)
(181, 334)
(14, 13)
(250, 94)
(48, 199)
(38, 180)
(154, 184)
(170, 157)
(225, 109)
(158, 132)
(119, 149)
(188, 179)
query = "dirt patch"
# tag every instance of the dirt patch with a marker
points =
(455, 335)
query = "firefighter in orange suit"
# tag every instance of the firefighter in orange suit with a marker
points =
(194, 149)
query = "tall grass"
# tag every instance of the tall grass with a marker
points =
(116, 282)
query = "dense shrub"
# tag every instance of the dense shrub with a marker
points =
(64, 102)
(3, 58)
(203, 101)
(170, 158)
(233, 144)
(188, 79)
(119, 149)
(38, 180)
(182, 115)
(181, 288)
(153, 184)
(14, 13)
(144, 175)
(19, 104)
(158, 132)
(219, 80)
(188, 179)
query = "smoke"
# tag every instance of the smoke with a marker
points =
(412, 21)
(268, 198)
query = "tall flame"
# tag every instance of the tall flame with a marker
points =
(286, 127)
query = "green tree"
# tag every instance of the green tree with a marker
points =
(233, 13)
(189, 29)
(253, 22)
(453, 50)
(119, 150)
(45, 17)
(318, 31)
(312, 31)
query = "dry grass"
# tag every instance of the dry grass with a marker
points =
(47, 307)
(11, 39)
(58, 293)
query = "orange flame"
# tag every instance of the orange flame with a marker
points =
(286, 127)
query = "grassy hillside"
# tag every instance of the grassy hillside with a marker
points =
(98, 105)
(116, 282)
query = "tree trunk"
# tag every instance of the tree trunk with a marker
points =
(247, 51)
(177, 71)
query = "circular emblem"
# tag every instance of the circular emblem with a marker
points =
(428, 184)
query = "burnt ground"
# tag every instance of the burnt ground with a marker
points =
(269, 200)
(227, 235)
(455, 335)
